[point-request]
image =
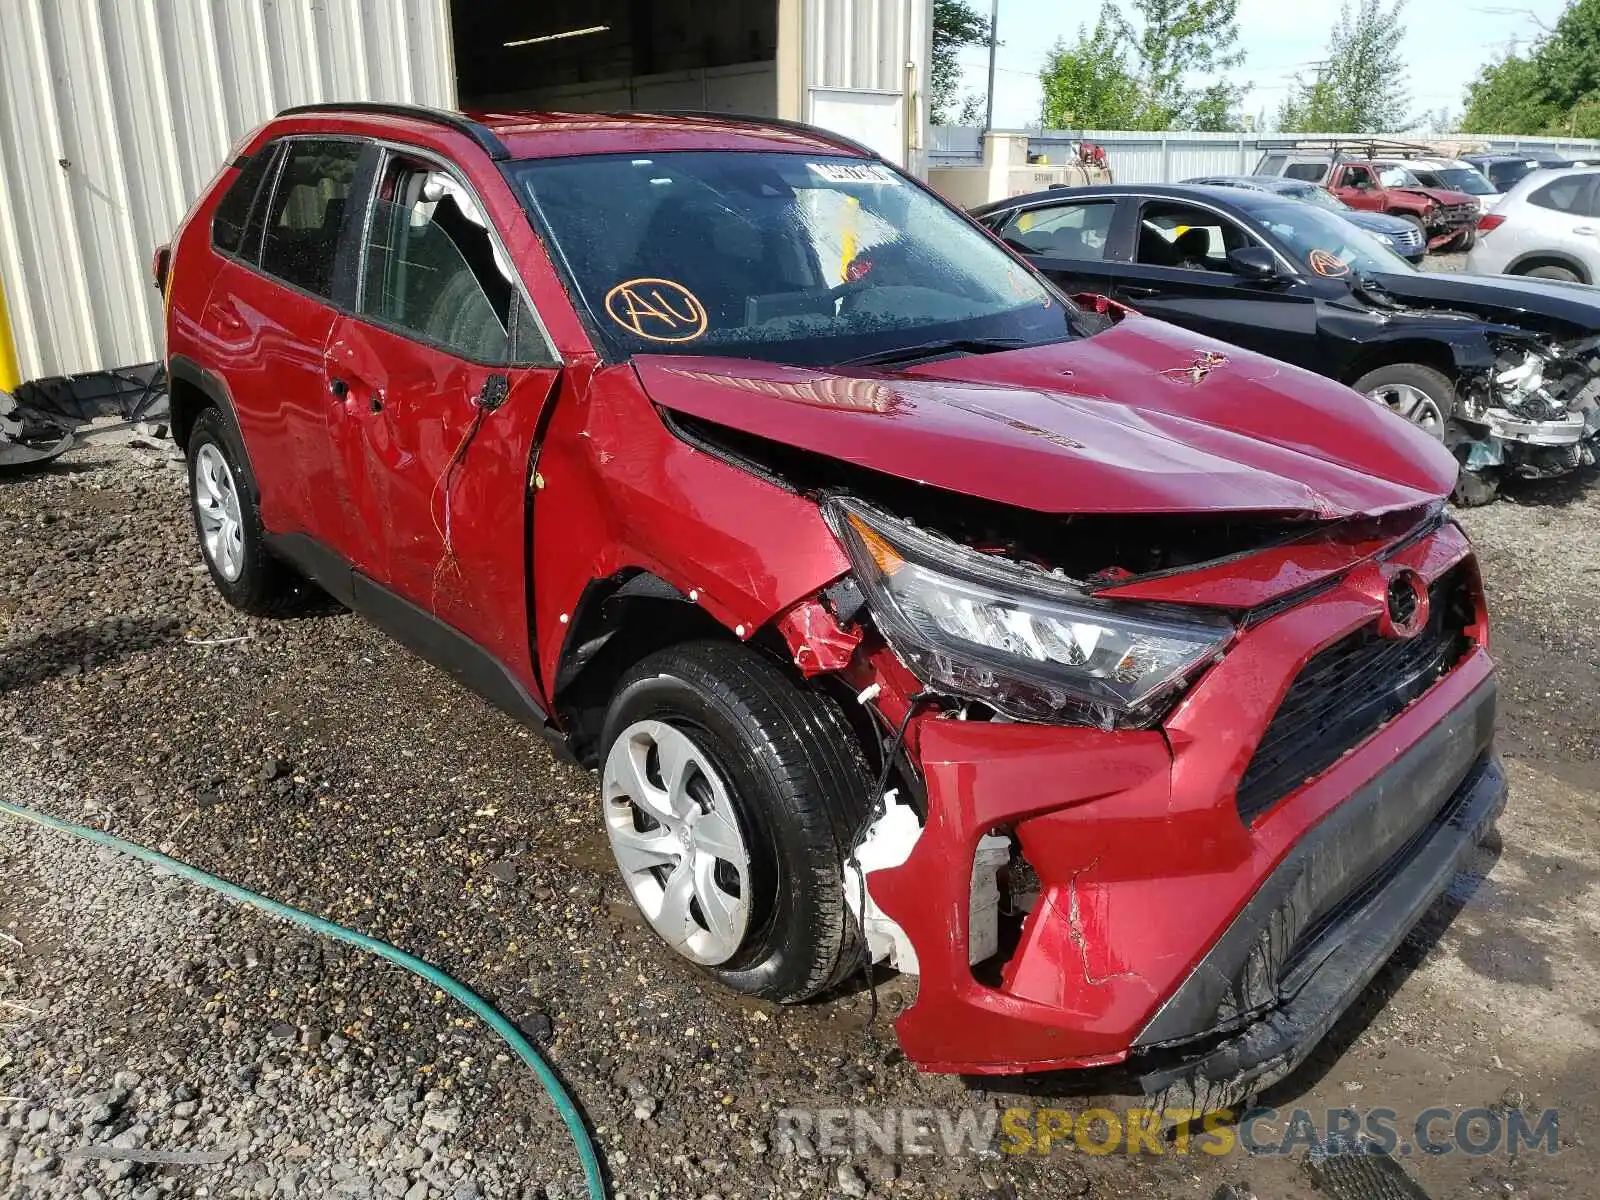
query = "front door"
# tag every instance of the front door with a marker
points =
(1357, 186)
(440, 376)
(1180, 273)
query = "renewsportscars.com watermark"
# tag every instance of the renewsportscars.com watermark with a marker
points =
(910, 1132)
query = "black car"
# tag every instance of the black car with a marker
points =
(1505, 370)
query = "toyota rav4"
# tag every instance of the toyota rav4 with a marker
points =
(1130, 688)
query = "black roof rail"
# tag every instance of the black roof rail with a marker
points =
(827, 135)
(478, 132)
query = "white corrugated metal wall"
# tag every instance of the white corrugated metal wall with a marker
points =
(115, 114)
(866, 66)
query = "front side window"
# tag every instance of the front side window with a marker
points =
(233, 210)
(1189, 238)
(303, 222)
(432, 268)
(1062, 230)
(1357, 177)
(794, 258)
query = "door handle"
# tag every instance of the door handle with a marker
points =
(1586, 230)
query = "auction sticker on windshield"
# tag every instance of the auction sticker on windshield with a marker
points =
(853, 172)
(658, 310)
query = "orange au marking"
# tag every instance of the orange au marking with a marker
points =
(1324, 263)
(658, 310)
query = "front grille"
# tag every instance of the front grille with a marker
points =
(1454, 215)
(1407, 239)
(1351, 689)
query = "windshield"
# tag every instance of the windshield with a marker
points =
(793, 258)
(1319, 196)
(1465, 179)
(1398, 177)
(1327, 244)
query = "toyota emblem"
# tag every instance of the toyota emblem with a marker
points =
(1405, 607)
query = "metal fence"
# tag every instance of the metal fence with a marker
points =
(1170, 157)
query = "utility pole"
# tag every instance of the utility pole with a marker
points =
(994, 40)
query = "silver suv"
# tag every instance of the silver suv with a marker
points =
(1548, 226)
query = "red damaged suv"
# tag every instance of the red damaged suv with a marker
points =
(1131, 689)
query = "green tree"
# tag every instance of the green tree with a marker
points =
(1165, 68)
(955, 24)
(1086, 84)
(1553, 88)
(1360, 87)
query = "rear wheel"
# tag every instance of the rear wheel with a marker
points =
(1420, 394)
(1553, 272)
(729, 793)
(228, 523)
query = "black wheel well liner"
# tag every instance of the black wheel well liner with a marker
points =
(191, 389)
(1422, 351)
(1547, 258)
(618, 621)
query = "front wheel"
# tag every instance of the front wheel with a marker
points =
(1420, 394)
(729, 793)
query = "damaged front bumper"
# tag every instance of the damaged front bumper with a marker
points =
(1563, 431)
(1209, 944)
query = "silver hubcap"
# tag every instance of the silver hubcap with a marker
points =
(676, 839)
(216, 501)
(1412, 403)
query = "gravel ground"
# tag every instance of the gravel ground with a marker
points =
(313, 761)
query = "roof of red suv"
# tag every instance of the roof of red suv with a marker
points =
(558, 134)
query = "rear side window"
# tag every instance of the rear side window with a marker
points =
(1272, 164)
(1063, 230)
(307, 213)
(233, 210)
(433, 270)
(1569, 194)
(1311, 172)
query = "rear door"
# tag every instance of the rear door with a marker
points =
(1180, 273)
(1568, 212)
(440, 374)
(268, 319)
(1069, 241)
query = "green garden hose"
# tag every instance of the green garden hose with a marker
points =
(508, 1033)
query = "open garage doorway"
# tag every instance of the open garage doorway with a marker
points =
(605, 55)
(856, 67)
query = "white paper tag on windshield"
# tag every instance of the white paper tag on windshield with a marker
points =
(864, 172)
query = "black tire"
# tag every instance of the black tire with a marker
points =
(1432, 383)
(799, 785)
(265, 586)
(1553, 272)
(1475, 488)
(1463, 241)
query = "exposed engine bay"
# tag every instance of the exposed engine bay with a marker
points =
(1537, 413)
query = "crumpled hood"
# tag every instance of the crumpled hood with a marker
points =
(1509, 299)
(1144, 417)
(1441, 196)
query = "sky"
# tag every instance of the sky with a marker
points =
(1447, 42)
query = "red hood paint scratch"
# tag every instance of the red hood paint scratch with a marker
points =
(1116, 423)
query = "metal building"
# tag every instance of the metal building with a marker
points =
(114, 116)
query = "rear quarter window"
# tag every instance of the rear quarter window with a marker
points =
(1567, 195)
(232, 214)
(1311, 172)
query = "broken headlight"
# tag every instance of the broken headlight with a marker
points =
(1027, 643)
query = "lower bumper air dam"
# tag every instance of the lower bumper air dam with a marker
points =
(480, 1008)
